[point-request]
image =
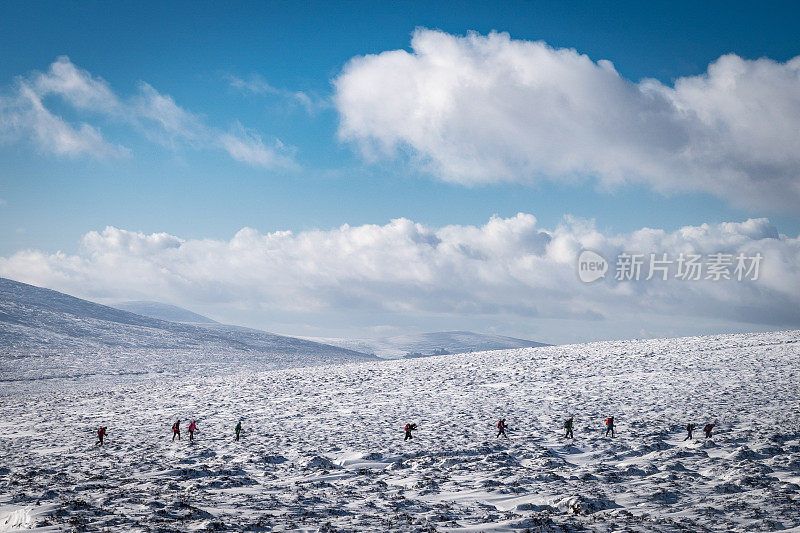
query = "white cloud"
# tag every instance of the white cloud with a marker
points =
(24, 114)
(173, 123)
(507, 270)
(248, 147)
(257, 85)
(481, 109)
(76, 86)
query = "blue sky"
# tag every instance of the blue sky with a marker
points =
(187, 52)
(191, 53)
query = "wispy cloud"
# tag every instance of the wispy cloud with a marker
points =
(24, 115)
(257, 85)
(77, 86)
(165, 121)
(248, 147)
(481, 109)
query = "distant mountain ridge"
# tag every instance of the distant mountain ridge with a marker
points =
(429, 344)
(162, 311)
(45, 332)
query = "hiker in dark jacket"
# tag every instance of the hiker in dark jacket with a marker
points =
(689, 430)
(568, 428)
(238, 429)
(176, 430)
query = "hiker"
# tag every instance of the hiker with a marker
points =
(238, 429)
(610, 426)
(501, 428)
(708, 429)
(689, 430)
(192, 429)
(176, 430)
(409, 428)
(568, 428)
(100, 434)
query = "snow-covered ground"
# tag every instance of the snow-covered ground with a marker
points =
(322, 447)
(46, 334)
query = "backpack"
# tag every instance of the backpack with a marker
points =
(408, 427)
(609, 421)
(174, 428)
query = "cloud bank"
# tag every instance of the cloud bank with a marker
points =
(508, 267)
(481, 109)
(27, 113)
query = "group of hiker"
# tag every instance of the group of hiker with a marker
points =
(611, 427)
(176, 430)
(502, 426)
(707, 430)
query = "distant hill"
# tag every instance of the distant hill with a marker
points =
(45, 333)
(161, 311)
(427, 344)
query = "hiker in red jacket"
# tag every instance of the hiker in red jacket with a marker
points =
(501, 428)
(192, 429)
(176, 430)
(408, 429)
(100, 434)
(610, 426)
(708, 429)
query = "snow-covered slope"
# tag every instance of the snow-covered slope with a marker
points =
(45, 333)
(162, 311)
(436, 343)
(323, 449)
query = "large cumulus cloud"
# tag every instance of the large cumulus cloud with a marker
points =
(480, 109)
(507, 267)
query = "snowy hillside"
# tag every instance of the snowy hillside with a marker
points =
(437, 343)
(323, 449)
(45, 333)
(162, 311)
